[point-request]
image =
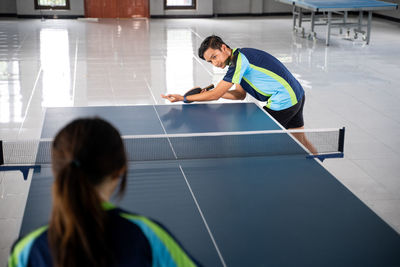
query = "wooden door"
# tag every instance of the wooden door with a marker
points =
(101, 8)
(133, 8)
(116, 8)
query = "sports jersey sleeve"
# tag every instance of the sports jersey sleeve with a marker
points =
(21, 250)
(166, 251)
(237, 68)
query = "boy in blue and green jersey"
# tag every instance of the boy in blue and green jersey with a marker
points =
(255, 72)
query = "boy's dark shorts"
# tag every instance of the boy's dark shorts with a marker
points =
(291, 117)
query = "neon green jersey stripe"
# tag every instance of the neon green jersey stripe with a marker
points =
(14, 259)
(176, 252)
(107, 205)
(236, 75)
(282, 81)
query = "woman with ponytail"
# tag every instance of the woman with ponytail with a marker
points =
(85, 229)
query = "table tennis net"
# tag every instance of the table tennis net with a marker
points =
(194, 146)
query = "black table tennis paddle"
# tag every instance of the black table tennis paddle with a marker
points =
(197, 90)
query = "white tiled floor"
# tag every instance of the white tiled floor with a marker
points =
(126, 62)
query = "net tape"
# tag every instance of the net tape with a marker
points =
(191, 146)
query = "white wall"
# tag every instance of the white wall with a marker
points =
(249, 7)
(272, 6)
(27, 7)
(8, 7)
(256, 6)
(204, 7)
(232, 6)
(212, 7)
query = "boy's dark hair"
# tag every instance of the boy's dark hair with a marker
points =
(213, 41)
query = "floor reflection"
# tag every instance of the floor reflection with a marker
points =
(10, 93)
(56, 76)
(179, 61)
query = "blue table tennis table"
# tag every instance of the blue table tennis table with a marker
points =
(341, 7)
(234, 211)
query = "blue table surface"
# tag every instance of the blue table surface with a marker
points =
(262, 211)
(141, 120)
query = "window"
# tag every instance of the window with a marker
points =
(179, 4)
(51, 4)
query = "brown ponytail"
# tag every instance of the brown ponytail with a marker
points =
(84, 153)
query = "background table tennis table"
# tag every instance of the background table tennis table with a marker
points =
(339, 7)
(254, 211)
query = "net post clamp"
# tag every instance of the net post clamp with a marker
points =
(22, 168)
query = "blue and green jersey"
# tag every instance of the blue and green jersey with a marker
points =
(264, 77)
(136, 241)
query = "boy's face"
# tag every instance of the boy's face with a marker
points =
(218, 57)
